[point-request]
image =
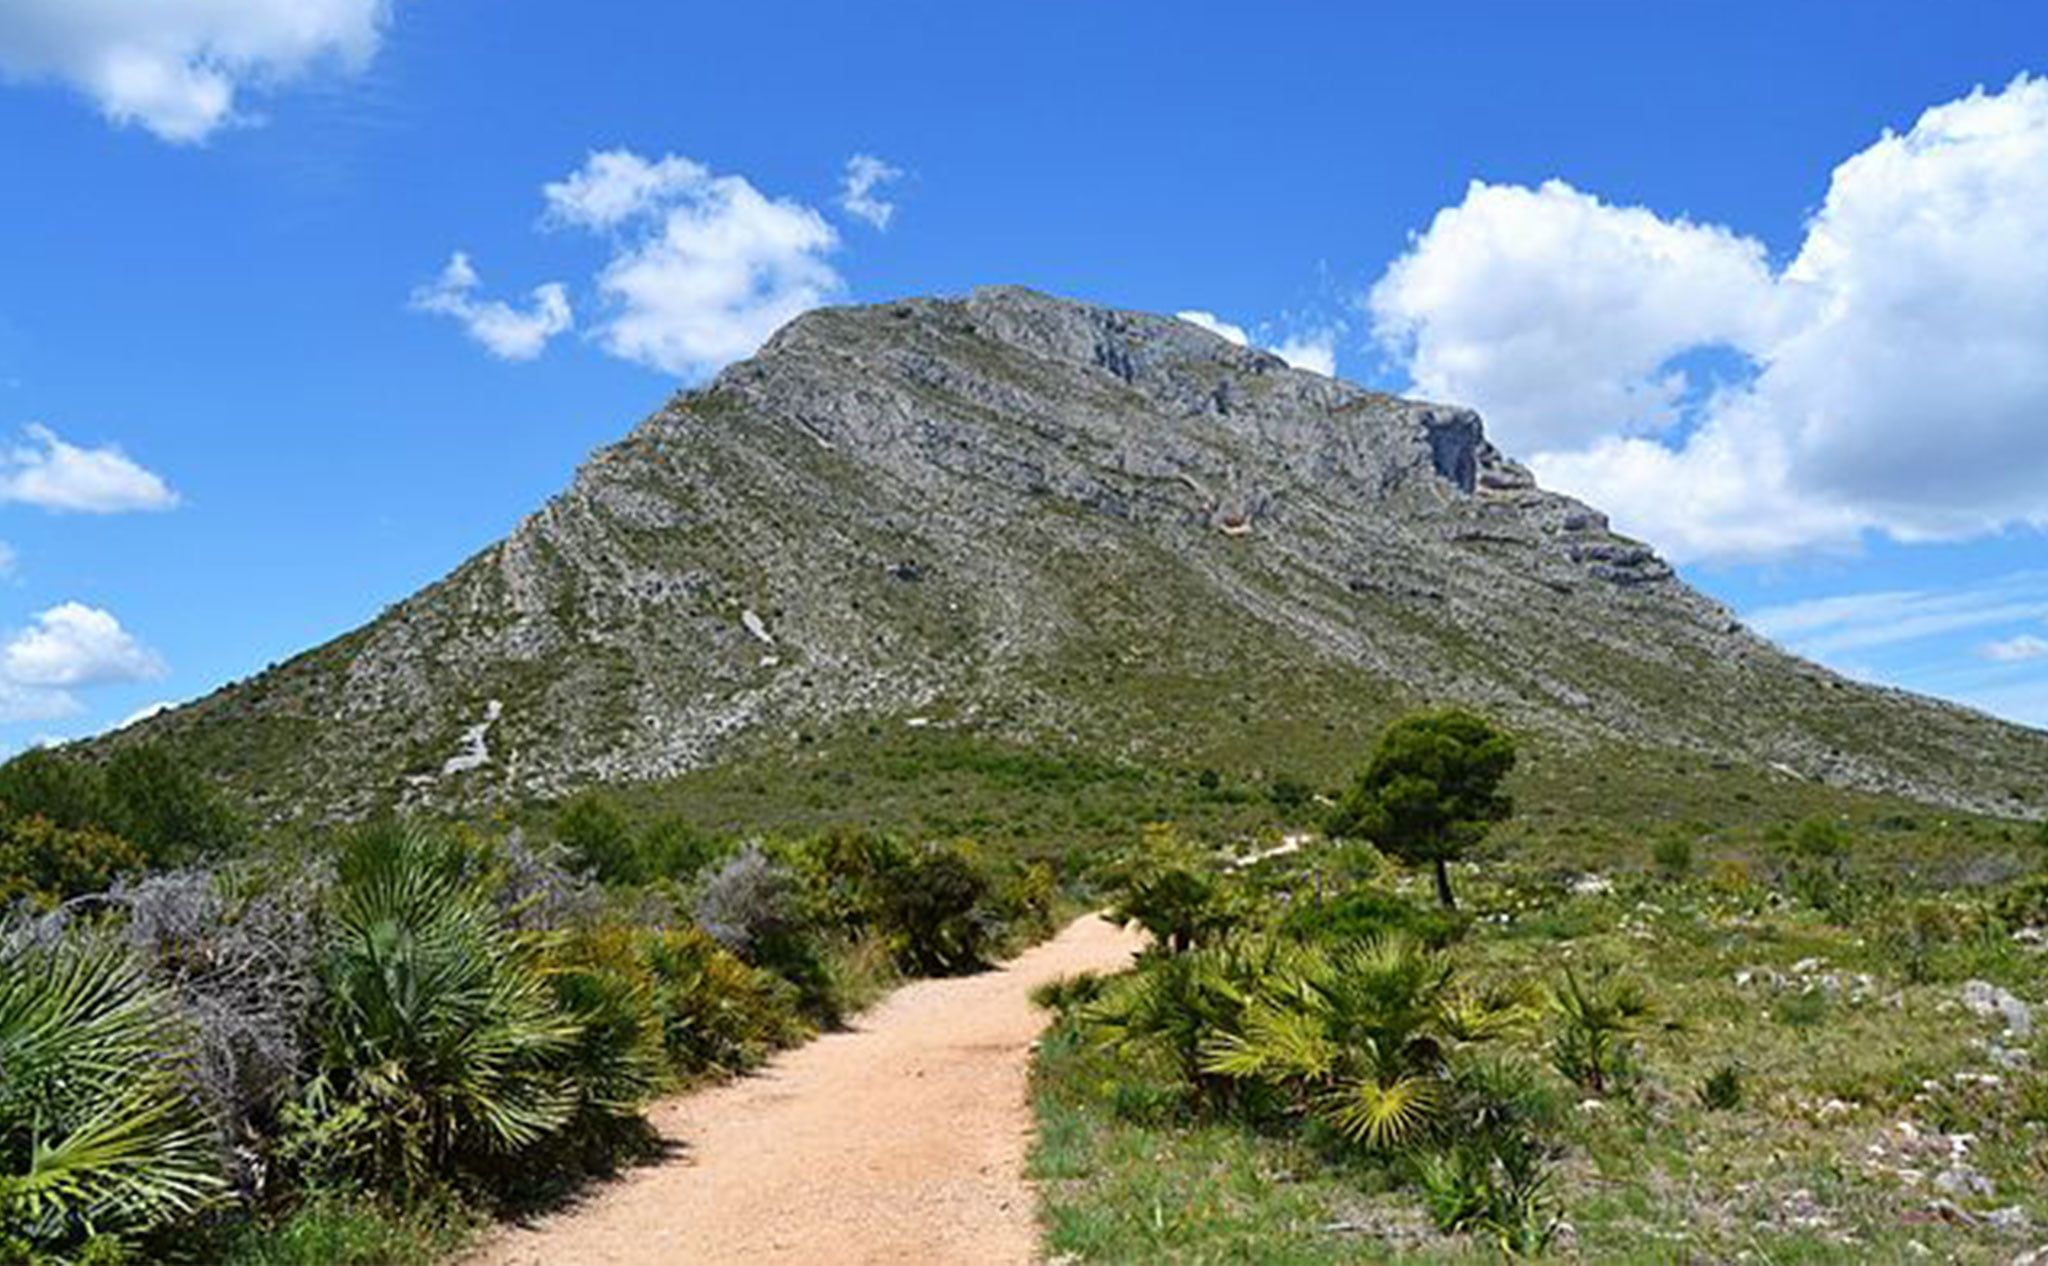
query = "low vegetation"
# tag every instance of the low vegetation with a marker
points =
(1658, 1008)
(348, 1048)
(1820, 1049)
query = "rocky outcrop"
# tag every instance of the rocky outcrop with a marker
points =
(1044, 519)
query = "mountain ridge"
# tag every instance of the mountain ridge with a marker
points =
(1049, 522)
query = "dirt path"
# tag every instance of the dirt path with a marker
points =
(901, 1140)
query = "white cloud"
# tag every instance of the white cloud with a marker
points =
(508, 332)
(615, 185)
(175, 66)
(1315, 351)
(144, 713)
(1824, 628)
(1900, 360)
(1215, 325)
(45, 471)
(72, 644)
(705, 268)
(1556, 314)
(2016, 650)
(864, 175)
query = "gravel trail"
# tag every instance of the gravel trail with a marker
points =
(902, 1139)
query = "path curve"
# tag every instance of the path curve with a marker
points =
(901, 1140)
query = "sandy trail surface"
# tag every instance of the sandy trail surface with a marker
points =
(902, 1139)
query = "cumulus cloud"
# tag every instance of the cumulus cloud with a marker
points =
(1315, 351)
(1215, 325)
(1890, 377)
(509, 333)
(45, 471)
(67, 647)
(2016, 650)
(705, 267)
(176, 66)
(616, 185)
(865, 174)
(72, 644)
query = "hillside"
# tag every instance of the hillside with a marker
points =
(1040, 522)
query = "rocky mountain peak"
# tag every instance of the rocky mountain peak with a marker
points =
(1046, 521)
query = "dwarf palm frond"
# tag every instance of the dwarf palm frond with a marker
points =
(1386, 1114)
(440, 1022)
(97, 1137)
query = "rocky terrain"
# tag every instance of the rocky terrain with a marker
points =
(1046, 522)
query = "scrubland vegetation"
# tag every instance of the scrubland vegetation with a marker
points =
(349, 1048)
(1811, 1046)
(1769, 1023)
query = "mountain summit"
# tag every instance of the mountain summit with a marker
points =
(1046, 522)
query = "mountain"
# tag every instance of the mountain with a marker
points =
(1048, 523)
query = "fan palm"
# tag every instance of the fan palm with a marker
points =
(1360, 1035)
(97, 1135)
(441, 1027)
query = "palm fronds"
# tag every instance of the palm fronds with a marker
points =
(97, 1136)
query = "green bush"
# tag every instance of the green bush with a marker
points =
(442, 1050)
(616, 1061)
(1596, 1018)
(600, 838)
(1363, 913)
(1721, 1090)
(1167, 887)
(1672, 854)
(44, 863)
(100, 1142)
(716, 1014)
(932, 909)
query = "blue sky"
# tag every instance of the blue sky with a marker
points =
(247, 404)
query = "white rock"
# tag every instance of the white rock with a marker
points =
(1983, 998)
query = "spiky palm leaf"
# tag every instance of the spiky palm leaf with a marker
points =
(97, 1137)
(1386, 1115)
(440, 1019)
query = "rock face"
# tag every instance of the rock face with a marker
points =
(1046, 520)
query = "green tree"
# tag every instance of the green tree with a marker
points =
(1430, 790)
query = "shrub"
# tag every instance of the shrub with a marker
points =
(2024, 904)
(616, 1059)
(1166, 887)
(238, 951)
(599, 838)
(1365, 912)
(42, 783)
(1069, 994)
(1289, 795)
(44, 863)
(1721, 1090)
(1672, 853)
(750, 903)
(1360, 1036)
(716, 1014)
(173, 814)
(537, 887)
(931, 907)
(441, 1048)
(1596, 1019)
(99, 1143)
